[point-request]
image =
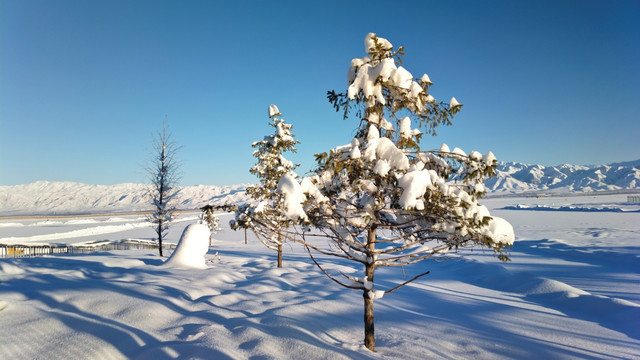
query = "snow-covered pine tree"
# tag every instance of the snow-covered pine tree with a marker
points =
(211, 220)
(381, 200)
(266, 217)
(164, 173)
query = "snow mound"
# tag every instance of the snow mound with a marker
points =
(549, 287)
(193, 245)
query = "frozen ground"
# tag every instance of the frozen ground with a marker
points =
(572, 290)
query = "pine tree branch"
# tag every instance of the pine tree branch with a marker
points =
(406, 282)
(329, 275)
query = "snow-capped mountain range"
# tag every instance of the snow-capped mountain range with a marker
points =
(514, 178)
(49, 198)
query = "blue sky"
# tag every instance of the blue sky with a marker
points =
(85, 84)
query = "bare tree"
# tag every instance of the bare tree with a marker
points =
(164, 174)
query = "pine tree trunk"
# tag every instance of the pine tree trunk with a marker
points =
(279, 251)
(369, 333)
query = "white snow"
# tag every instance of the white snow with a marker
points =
(489, 158)
(354, 153)
(369, 43)
(430, 99)
(384, 148)
(365, 83)
(405, 128)
(355, 64)
(308, 187)
(368, 285)
(414, 184)
(193, 245)
(274, 111)
(415, 89)
(375, 294)
(570, 292)
(501, 231)
(460, 152)
(289, 187)
(475, 156)
(401, 77)
(367, 77)
(425, 79)
(382, 167)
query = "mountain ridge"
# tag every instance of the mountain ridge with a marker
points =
(512, 178)
(61, 198)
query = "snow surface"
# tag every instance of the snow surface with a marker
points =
(570, 292)
(82, 231)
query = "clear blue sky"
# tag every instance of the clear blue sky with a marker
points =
(85, 84)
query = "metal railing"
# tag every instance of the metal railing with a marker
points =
(19, 250)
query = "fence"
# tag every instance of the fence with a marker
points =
(633, 199)
(17, 250)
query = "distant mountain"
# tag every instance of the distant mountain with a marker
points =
(517, 178)
(50, 198)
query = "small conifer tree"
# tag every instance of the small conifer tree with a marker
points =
(381, 200)
(211, 220)
(266, 216)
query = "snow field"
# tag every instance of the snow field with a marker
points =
(80, 231)
(570, 292)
